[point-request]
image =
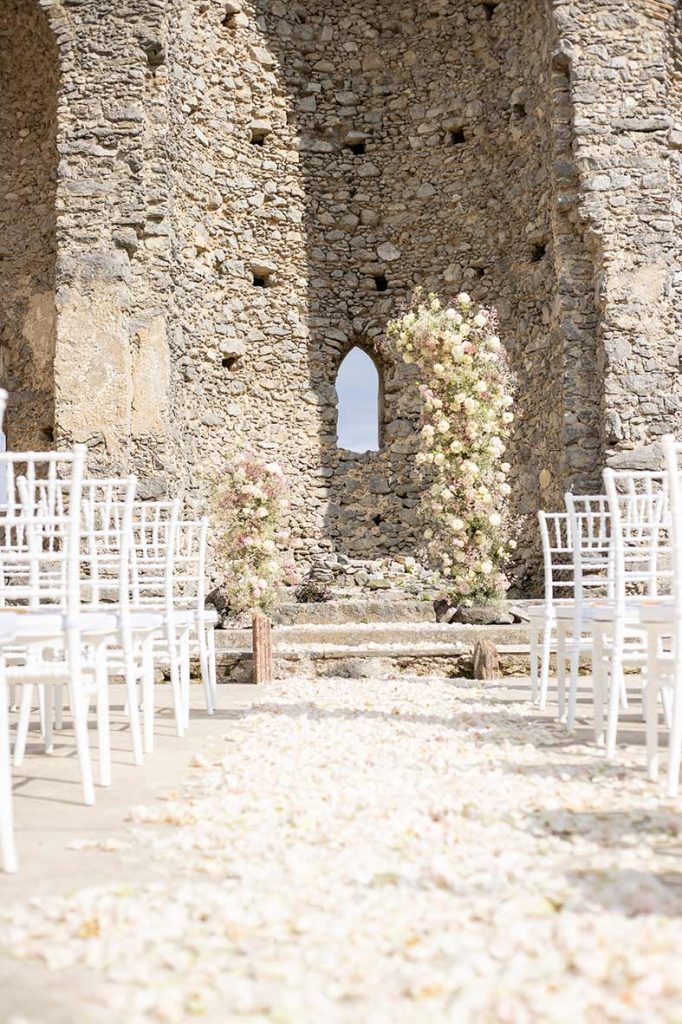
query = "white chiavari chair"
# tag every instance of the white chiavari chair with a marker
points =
(590, 531)
(640, 555)
(557, 551)
(662, 622)
(41, 579)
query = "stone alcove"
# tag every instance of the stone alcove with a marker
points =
(28, 170)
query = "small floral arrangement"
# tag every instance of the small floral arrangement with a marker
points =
(466, 389)
(250, 506)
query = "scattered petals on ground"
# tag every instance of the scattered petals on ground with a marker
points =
(392, 853)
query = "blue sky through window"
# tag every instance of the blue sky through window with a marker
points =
(357, 389)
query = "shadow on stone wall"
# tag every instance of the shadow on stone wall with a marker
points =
(28, 167)
(421, 163)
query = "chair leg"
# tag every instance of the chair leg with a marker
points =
(544, 664)
(103, 720)
(185, 675)
(133, 706)
(651, 711)
(79, 710)
(616, 682)
(59, 706)
(205, 669)
(48, 704)
(598, 685)
(148, 694)
(560, 669)
(177, 694)
(210, 632)
(573, 686)
(23, 722)
(8, 850)
(41, 709)
(533, 660)
(675, 739)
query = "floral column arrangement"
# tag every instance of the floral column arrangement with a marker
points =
(250, 507)
(466, 390)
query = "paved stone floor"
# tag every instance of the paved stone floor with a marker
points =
(374, 852)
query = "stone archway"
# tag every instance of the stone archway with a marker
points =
(29, 79)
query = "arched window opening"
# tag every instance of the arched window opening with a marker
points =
(358, 391)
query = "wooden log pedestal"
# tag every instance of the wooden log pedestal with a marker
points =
(261, 639)
(486, 660)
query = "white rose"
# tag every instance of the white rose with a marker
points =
(494, 343)
(439, 459)
(508, 417)
(494, 518)
(464, 299)
(480, 319)
(486, 567)
(481, 386)
(443, 426)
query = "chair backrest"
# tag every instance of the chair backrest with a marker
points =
(590, 524)
(107, 545)
(557, 553)
(153, 540)
(189, 564)
(640, 518)
(40, 546)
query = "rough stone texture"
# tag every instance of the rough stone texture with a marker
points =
(204, 206)
(28, 156)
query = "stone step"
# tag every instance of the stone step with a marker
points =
(393, 607)
(396, 608)
(373, 649)
(369, 635)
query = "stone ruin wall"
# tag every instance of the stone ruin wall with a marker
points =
(28, 247)
(451, 190)
(525, 152)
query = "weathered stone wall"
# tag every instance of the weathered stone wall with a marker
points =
(227, 195)
(621, 97)
(320, 152)
(28, 168)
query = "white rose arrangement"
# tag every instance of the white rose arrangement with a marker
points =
(467, 393)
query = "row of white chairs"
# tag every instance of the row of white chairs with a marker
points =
(95, 585)
(613, 597)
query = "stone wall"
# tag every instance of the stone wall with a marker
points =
(28, 168)
(340, 158)
(227, 195)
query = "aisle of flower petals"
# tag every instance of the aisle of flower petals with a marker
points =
(387, 853)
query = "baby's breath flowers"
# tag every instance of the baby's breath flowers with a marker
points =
(466, 390)
(250, 505)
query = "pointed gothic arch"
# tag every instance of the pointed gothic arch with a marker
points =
(359, 394)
